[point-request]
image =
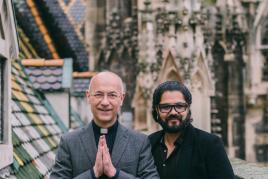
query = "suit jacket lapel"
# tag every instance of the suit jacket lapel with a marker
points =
(88, 143)
(186, 154)
(120, 144)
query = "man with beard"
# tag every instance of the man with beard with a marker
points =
(180, 150)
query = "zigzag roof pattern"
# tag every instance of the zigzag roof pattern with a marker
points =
(36, 128)
(51, 32)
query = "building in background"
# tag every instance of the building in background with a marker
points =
(9, 51)
(217, 47)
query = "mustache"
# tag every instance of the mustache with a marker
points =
(174, 116)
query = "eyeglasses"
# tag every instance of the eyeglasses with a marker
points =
(110, 95)
(167, 108)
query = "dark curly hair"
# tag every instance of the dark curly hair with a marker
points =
(169, 86)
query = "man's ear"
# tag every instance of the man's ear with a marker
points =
(122, 98)
(88, 95)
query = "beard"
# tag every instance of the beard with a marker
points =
(174, 128)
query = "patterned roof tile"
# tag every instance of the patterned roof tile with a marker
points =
(81, 82)
(35, 132)
(74, 47)
(27, 22)
(78, 11)
(49, 75)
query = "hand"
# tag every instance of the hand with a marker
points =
(108, 168)
(98, 167)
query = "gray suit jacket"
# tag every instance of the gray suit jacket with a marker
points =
(131, 155)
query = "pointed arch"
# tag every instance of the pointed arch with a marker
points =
(203, 72)
(169, 69)
(201, 89)
(173, 75)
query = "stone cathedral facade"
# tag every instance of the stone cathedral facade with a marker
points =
(217, 48)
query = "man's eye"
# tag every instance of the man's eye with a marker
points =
(112, 95)
(180, 106)
(165, 107)
(98, 95)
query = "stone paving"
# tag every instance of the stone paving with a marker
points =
(246, 170)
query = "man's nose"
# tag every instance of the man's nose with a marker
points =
(173, 111)
(105, 100)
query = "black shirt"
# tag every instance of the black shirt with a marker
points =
(168, 167)
(110, 136)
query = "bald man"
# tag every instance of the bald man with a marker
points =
(104, 148)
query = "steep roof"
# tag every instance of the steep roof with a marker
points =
(76, 13)
(51, 32)
(29, 20)
(63, 33)
(36, 129)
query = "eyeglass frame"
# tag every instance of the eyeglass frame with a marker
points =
(173, 106)
(99, 95)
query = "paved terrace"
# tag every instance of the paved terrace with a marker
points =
(246, 170)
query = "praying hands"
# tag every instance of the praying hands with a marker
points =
(103, 164)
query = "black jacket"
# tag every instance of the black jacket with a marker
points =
(202, 154)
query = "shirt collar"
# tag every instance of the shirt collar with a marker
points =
(177, 142)
(111, 129)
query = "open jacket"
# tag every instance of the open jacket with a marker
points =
(131, 155)
(202, 155)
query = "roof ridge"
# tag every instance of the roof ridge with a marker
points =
(42, 62)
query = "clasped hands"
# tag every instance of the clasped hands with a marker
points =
(103, 164)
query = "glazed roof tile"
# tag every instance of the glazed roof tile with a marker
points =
(27, 22)
(76, 13)
(35, 130)
(63, 29)
(46, 75)
(44, 21)
(77, 10)
(81, 82)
